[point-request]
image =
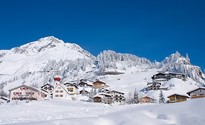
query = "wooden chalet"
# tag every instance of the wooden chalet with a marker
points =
(197, 93)
(24, 92)
(177, 98)
(84, 84)
(103, 98)
(99, 84)
(146, 99)
(165, 76)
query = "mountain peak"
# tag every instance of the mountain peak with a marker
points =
(51, 39)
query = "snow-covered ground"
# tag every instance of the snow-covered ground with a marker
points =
(64, 112)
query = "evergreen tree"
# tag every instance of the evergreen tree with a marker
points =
(136, 98)
(161, 97)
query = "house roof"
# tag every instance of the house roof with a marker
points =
(67, 83)
(117, 91)
(147, 97)
(62, 86)
(32, 88)
(203, 88)
(178, 95)
(35, 89)
(98, 81)
(47, 85)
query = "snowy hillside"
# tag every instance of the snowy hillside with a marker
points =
(64, 112)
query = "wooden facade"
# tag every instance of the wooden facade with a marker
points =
(197, 93)
(146, 99)
(177, 98)
(103, 98)
(71, 88)
(165, 76)
(99, 85)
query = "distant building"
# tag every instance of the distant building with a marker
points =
(48, 88)
(71, 88)
(155, 86)
(24, 92)
(99, 84)
(63, 91)
(177, 98)
(118, 97)
(165, 76)
(103, 98)
(84, 84)
(146, 99)
(197, 93)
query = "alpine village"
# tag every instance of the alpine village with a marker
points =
(99, 92)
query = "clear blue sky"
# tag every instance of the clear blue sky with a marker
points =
(148, 28)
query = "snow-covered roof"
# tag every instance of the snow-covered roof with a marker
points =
(195, 90)
(178, 95)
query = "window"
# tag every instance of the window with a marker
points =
(56, 95)
(61, 91)
(70, 89)
(61, 95)
(29, 93)
(56, 91)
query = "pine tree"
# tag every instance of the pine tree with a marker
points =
(161, 97)
(136, 98)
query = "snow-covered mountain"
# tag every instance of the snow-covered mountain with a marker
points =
(180, 64)
(36, 63)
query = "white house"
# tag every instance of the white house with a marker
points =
(24, 92)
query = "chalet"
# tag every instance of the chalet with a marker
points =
(197, 93)
(118, 97)
(153, 85)
(165, 76)
(161, 76)
(48, 88)
(146, 99)
(24, 92)
(71, 88)
(99, 85)
(177, 98)
(84, 92)
(178, 75)
(84, 84)
(103, 98)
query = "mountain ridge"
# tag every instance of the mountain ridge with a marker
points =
(37, 62)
